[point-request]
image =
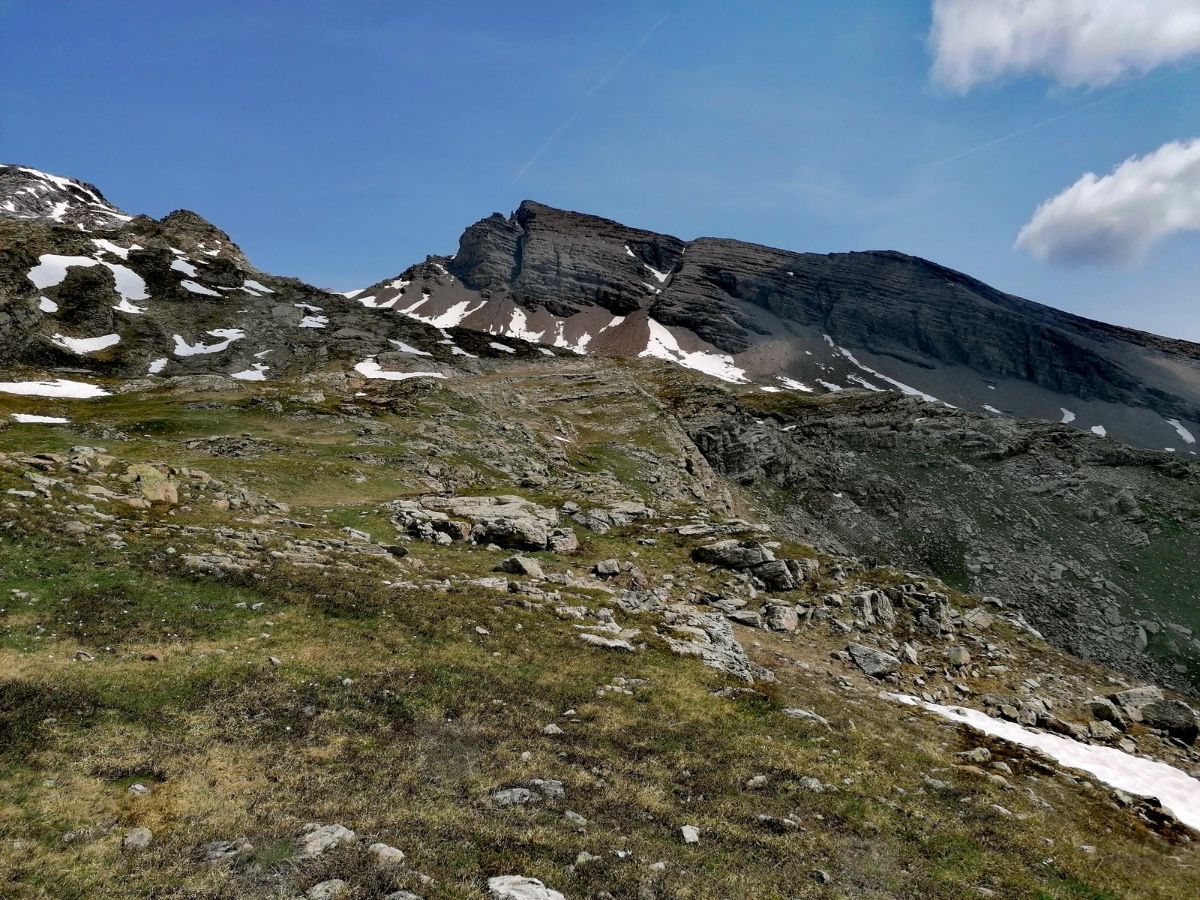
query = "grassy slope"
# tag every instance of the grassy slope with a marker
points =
(392, 715)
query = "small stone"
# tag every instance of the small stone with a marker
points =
(690, 834)
(517, 887)
(275, 660)
(137, 839)
(575, 818)
(385, 855)
(328, 890)
(140, 789)
(979, 755)
(552, 730)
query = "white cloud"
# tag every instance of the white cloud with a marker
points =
(1120, 217)
(1074, 42)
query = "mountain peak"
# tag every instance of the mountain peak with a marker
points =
(33, 195)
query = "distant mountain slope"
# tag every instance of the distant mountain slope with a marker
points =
(879, 320)
(82, 284)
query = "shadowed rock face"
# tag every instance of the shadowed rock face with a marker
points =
(564, 261)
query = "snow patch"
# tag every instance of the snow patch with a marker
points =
(257, 372)
(992, 409)
(52, 268)
(85, 345)
(183, 266)
(1067, 416)
(157, 365)
(1099, 431)
(407, 348)
(1188, 437)
(30, 419)
(371, 369)
(663, 345)
(793, 384)
(77, 390)
(1175, 790)
(314, 322)
(46, 305)
(227, 335)
(189, 285)
(830, 386)
(255, 286)
(504, 348)
(112, 248)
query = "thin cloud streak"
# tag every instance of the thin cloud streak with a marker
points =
(1068, 114)
(591, 92)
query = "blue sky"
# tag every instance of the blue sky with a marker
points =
(342, 144)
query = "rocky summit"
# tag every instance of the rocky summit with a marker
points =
(582, 562)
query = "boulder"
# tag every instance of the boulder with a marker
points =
(733, 554)
(873, 662)
(1174, 717)
(1135, 698)
(155, 486)
(521, 565)
(781, 617)
(776, 575)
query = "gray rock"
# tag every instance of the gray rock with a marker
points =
(873, 662)
(137, 839)
(690, 834)
(1173, 716)
(316, 839)
(597, 640)
(733, 554)
(221, 851)
(385, 855)
(607, 568)
(517, 887)
(1136, 698)
(522, 565)
(328, 890)
(781, 617)
(807, 716)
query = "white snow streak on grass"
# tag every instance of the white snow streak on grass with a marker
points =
(228, 335)
(1176, 791)
(371, 369)
(663, 345)
(85, 345)
(77, 390)
(30, 419)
